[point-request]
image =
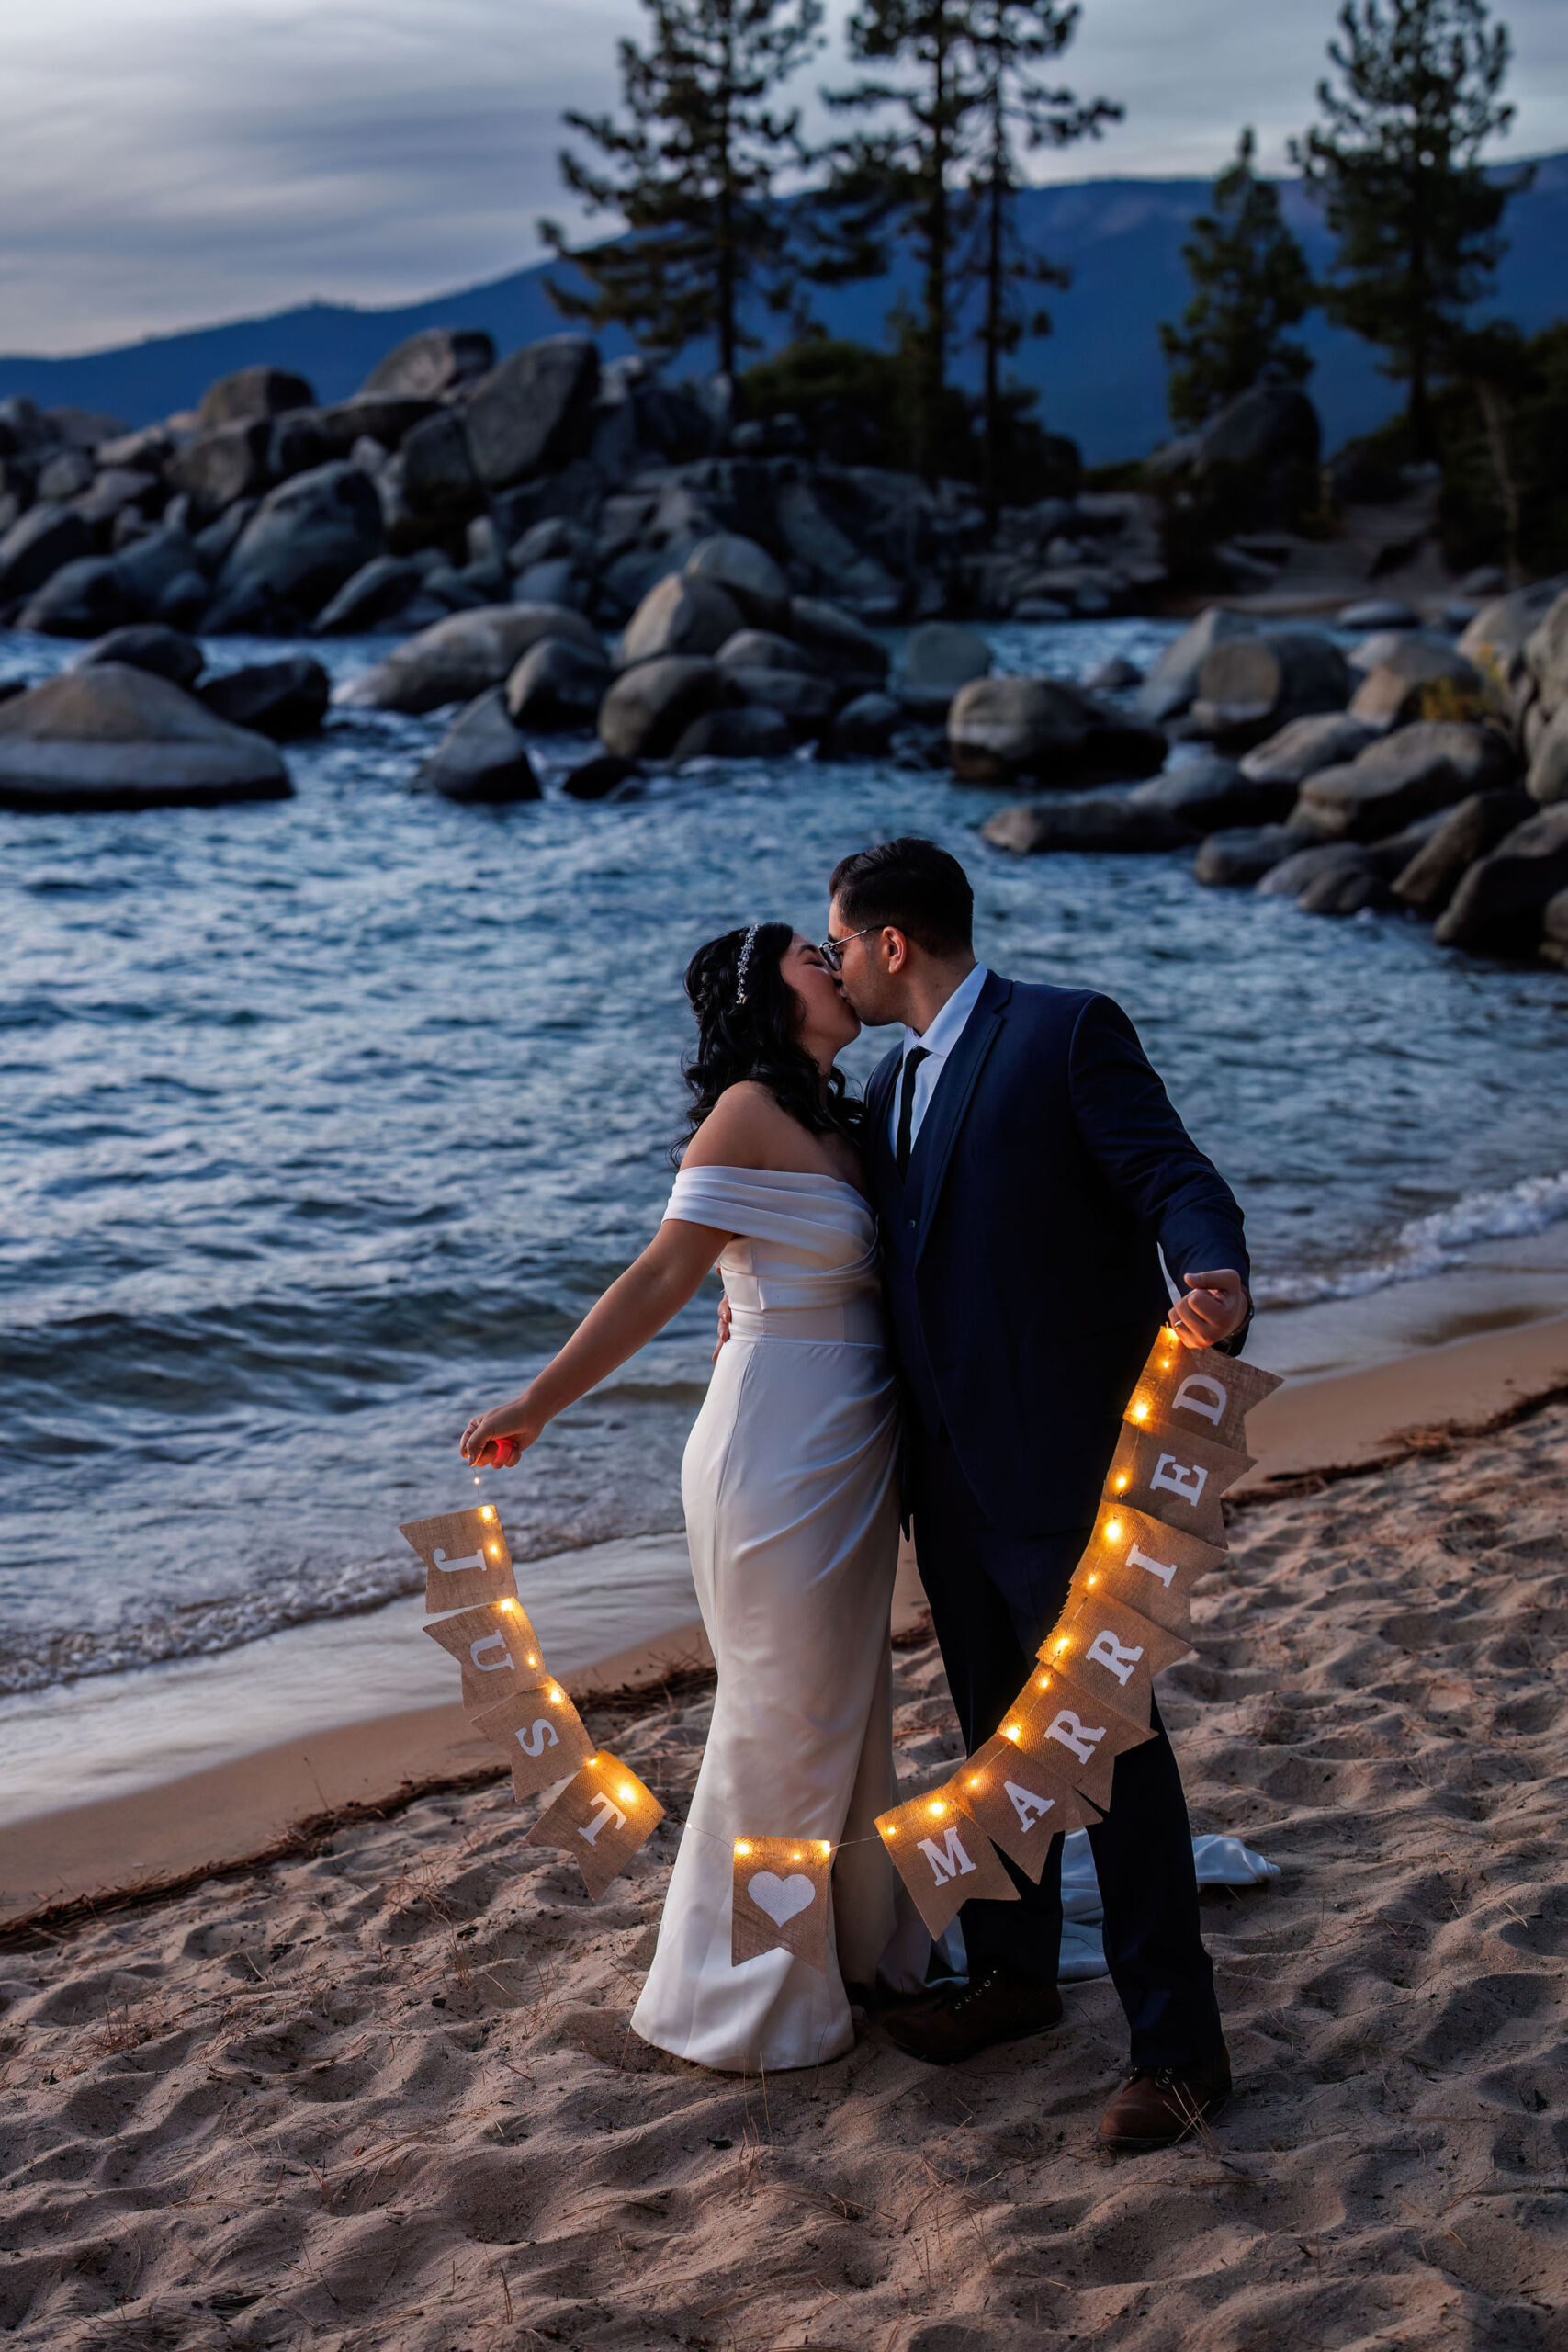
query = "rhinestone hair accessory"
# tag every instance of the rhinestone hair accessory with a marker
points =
(744, 967)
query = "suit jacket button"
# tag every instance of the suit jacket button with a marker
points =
(910, 1223)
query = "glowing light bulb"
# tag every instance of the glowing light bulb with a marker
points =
(825, 1845)
(977, 1779)
(936, 1805)
(1094, 1580)
(1012, 1732)
(509, 1604)
(555, 1696)
(533, 1659)
(1064, 1644)
(1140, 1412)
(1113, 1530)
(742, 1846)
(1121, 1481)
(495, 1551)
(487, 1511)
(628, 1796)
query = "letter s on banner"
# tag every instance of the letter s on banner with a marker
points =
(539, 1734)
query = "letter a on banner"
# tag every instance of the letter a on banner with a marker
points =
(943, 1858)
(780, 1899)
(465, 1558)
(602, 1818)
(1019, 1802)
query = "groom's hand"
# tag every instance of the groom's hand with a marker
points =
(1215, 1306)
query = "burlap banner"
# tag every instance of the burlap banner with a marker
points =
(542, 1732)
(1141, 1561)
(1075, 1734)
(602, 1817)
(1175, 1477)
(1020, 1801)
(781, 1899)
(1112, 1653)
(943, 1858)
(465, 1558)
(497, 1649)
(1204, 1394)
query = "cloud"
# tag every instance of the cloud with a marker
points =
(170, 162)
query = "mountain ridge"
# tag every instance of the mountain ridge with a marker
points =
(1101, 373)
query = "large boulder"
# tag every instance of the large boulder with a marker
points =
(839, 643)
(234, 461)
(1405, 776)
(760, 648)
(99, 592)
(376, 591)
(939, 657)
(747, 575)
(863, 728)
(649, 707)
(1428, 879)
(1329, 877)
(1548, 779)
(1546, 656)
(113, 737)
(1172, 683)
(481, 758)
(1047, 727)
(460, 657)
(1494, 640)
(1249, 686)
(1209, 795)
(437, 472)
(34, 547)
(1271, 424)
(535, 411)
(251, 392)
(815, 539)
(747, 733)
(147, 645)
(1083, 820)
(1243, 854)
(557, 684)
(1419, 677)
(429, 365)
(681, 614)
(304, 541)
(281, 699)
(314, 436)
(807, 702)
(1499, 907)
(1326, 740)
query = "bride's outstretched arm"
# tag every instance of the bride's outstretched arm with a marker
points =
(637, 1305)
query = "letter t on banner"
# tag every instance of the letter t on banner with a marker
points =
(943, 1858)
(602, 1818)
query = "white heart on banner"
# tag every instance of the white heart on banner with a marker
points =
(781, 1898)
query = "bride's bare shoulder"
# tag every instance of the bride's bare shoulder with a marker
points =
(746, 1129)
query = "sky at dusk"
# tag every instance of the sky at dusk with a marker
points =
(167, 163)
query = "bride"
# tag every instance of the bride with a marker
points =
(788, 1489)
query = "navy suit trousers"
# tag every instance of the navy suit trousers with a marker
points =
(994, 1596)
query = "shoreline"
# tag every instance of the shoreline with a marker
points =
(156, 1839)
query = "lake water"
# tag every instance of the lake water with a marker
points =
(322, 1122)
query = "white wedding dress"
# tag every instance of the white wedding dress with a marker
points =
(792, 1519)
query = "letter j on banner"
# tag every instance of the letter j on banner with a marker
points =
(943, 1858)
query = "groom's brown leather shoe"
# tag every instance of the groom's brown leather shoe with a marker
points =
(996, 2005)
(1160, 2105)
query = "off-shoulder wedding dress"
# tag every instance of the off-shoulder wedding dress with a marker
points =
(792, 1519)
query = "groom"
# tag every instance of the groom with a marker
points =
(1029, 1172)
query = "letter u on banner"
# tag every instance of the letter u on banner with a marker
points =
(497, 1649)
(602, 1818)
(943, 1858)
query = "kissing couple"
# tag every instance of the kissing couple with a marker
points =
(937, 1302)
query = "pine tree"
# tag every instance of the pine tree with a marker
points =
(1397, 161)
(1010, 39)
(691, 175)
(1252, 282)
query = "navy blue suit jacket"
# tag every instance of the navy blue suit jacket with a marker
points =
(1020, 1256)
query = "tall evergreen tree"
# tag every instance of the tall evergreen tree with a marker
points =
(1251, 282)
(1397, 160)
(1010, 39)
(691, 175)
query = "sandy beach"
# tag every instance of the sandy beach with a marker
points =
(379, 2090)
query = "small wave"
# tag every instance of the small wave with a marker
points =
(1429, 1245)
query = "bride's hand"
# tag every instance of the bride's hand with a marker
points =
(497, 1440)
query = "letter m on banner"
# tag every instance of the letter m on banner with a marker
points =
(948, 1860)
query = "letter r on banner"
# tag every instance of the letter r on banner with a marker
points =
(1115, 1657)
(1080, 1737)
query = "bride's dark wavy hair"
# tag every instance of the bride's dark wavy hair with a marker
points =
(757, 1039)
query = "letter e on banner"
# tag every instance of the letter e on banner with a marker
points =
(942, 1856)
(1177, 1480)
(600, 1818)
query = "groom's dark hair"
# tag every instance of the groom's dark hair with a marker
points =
(911, 884)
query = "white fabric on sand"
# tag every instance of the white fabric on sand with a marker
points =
(792, 1519)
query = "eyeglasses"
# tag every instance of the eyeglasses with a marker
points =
(832, 950)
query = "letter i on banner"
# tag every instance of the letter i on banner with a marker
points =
(943, 1858)
(781, 1899)
(465, 1558)
(543, 1734)
(602, 1818)
(1195, 1390)
(1149, 1565)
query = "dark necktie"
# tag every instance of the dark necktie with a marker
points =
(912, 1060)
